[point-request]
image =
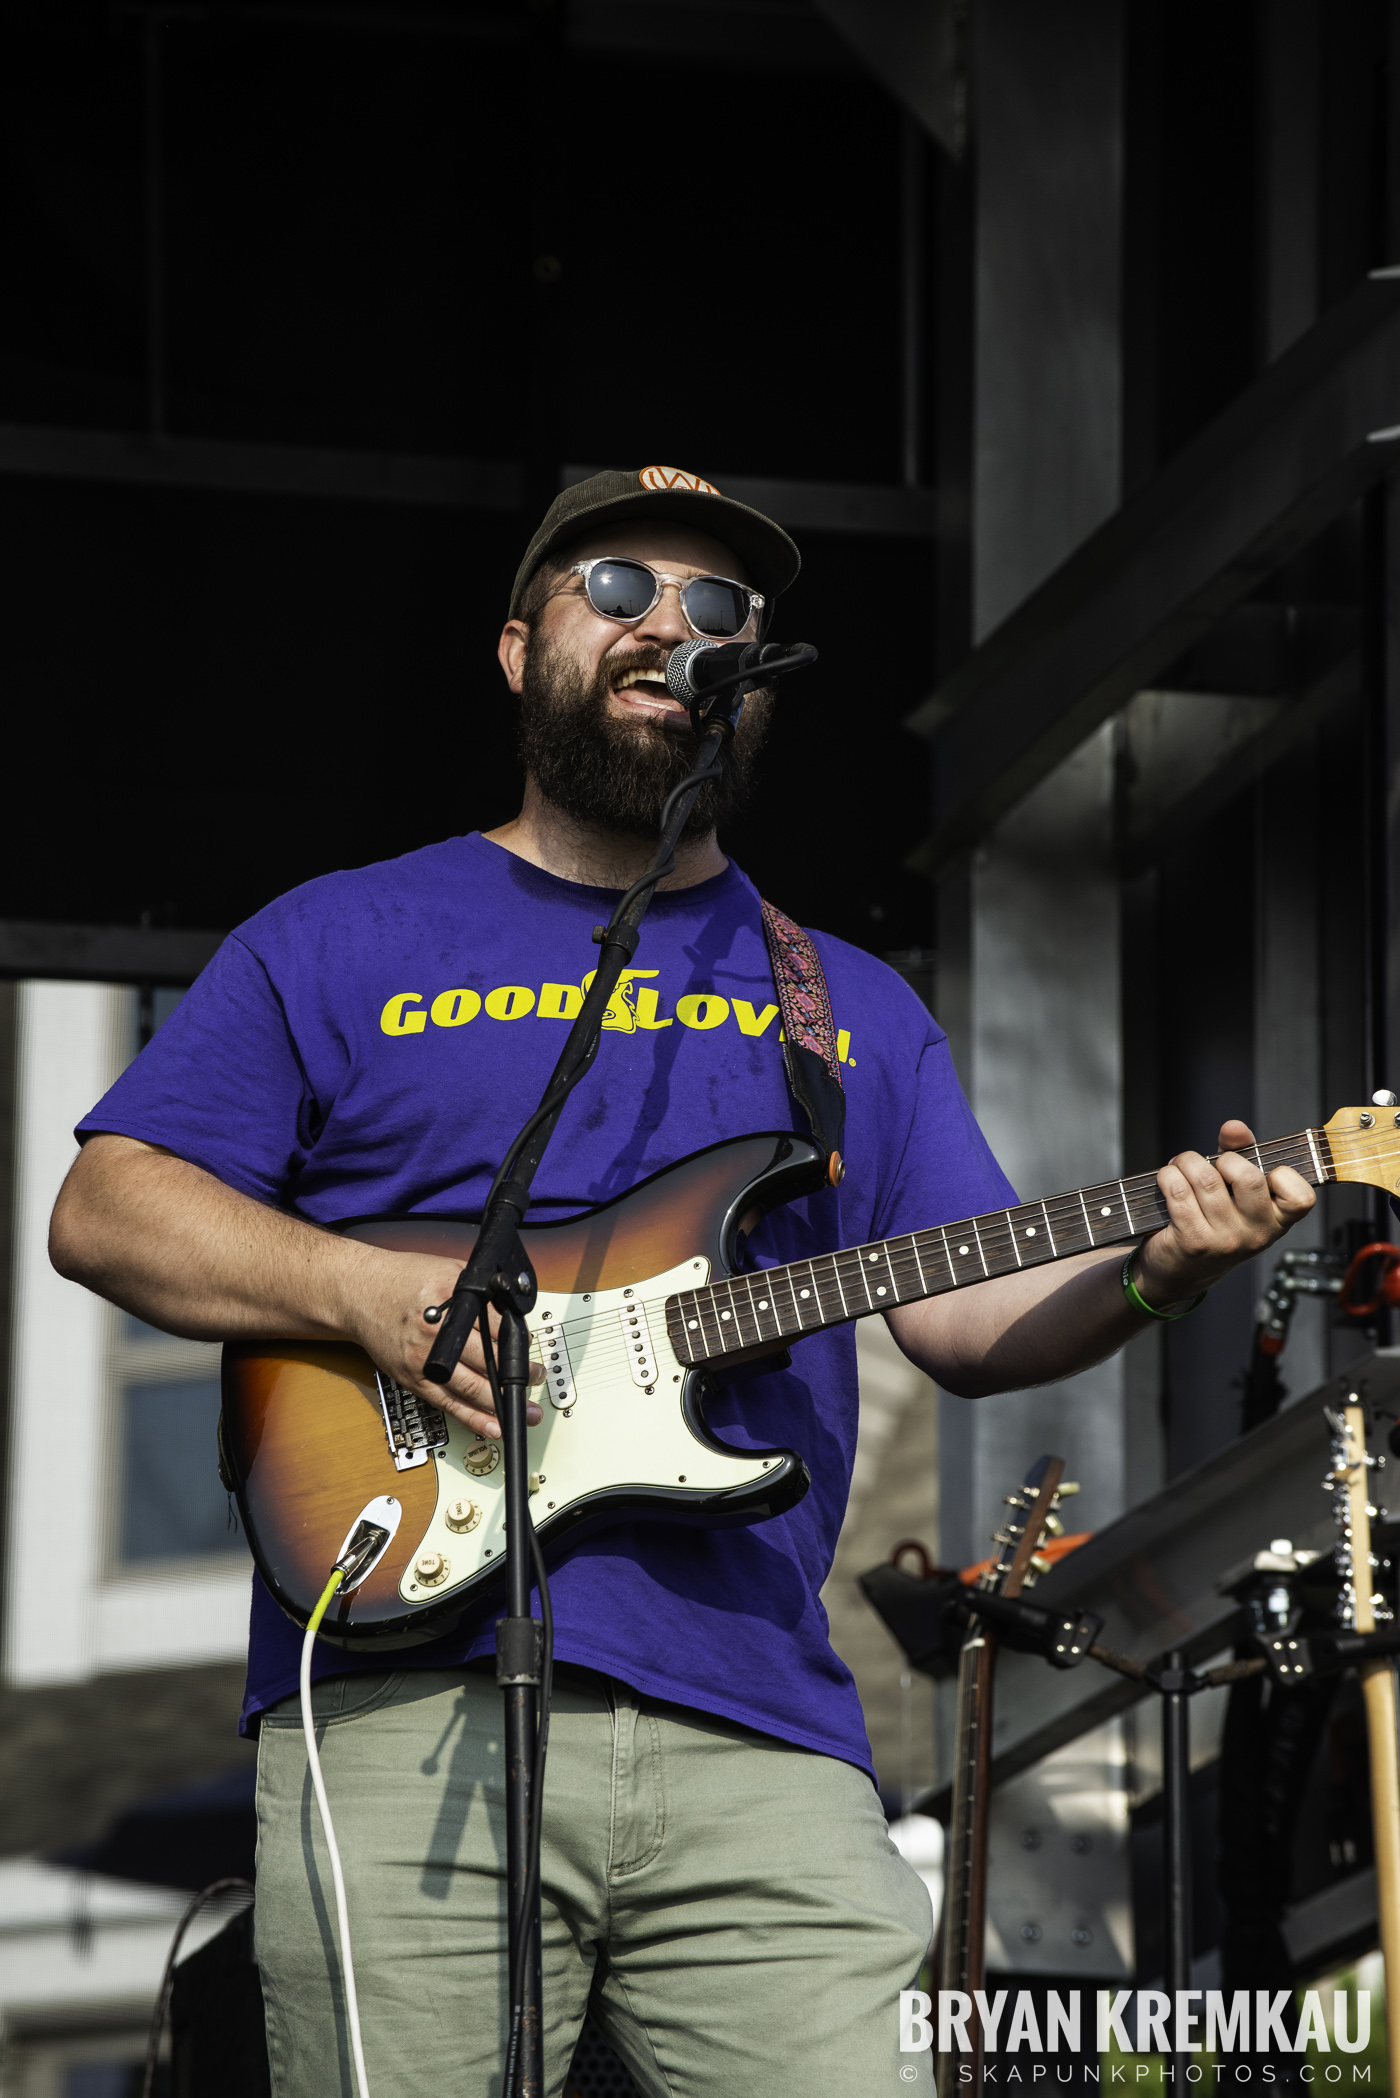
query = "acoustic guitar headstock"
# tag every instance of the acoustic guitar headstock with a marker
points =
(1365, 1144)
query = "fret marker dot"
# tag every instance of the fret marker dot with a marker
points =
(962, 1249)
(804, 1293)
(763, 1303)
(693, 1324)
(1030, 1231)
(725, 1314)
(881, 1291)
(1104, 1211)
(874, 1256)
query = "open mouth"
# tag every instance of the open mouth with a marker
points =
(645, 688)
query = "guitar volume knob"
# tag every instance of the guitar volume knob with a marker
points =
(481, 1458)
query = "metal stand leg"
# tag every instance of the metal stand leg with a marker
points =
(1176, 1837)
(518, 1673)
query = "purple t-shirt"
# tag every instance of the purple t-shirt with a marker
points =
(368, 1046)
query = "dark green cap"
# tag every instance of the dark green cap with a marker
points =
(769, 556)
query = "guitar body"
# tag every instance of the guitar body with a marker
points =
(305, 1436)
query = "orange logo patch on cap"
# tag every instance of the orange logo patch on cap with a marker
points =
(664, 477)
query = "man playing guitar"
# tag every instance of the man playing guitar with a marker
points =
(716, 1871)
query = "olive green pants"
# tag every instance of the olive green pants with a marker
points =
(732, 1905)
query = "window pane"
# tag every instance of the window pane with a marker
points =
(134, 1329)
(104, 2080)
(173, 1501)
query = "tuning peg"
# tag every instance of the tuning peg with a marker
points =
(1006, 1537)
(1039, 1563)
(1015, 1500)
(1066, 1486)
(1384, 1099)
(1052, 1526)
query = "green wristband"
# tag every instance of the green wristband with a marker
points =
(1139, 1302)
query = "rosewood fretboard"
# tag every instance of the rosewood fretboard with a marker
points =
(783, 1303)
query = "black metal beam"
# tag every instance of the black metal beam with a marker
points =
(774, 36)
(103, 953)
(1319, 427)
(260, 469)
(412, 478)
(916, 53)
(1297, 717)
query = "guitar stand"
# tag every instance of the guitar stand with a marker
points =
(1176, 1684)
(1063, 1642)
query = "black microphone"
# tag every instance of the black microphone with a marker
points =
(694, 668)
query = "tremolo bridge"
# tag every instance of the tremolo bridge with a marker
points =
(414, 1428)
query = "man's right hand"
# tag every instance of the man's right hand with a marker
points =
(395, 1335)
(180, 1249)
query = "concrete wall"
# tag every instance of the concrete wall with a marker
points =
(1029, 934)
(1046, 1085)
(1047, 133)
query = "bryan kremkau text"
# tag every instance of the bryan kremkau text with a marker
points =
(1140, 2021)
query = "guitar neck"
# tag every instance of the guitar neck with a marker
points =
(783, 1303)
(974, 1676)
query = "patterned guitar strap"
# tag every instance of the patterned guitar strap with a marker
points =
(810, 1054)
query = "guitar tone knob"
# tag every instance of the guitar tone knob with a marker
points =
(481, 1458)
(461, 1515)
(431, 1569)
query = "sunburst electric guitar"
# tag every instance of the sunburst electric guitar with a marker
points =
(641, 1304)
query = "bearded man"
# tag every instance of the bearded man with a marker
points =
(716, 1873)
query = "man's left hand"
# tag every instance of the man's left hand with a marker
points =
(1222, 1213)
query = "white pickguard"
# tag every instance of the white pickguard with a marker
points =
(603, 1426)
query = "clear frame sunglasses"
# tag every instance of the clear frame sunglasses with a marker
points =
(716, 608)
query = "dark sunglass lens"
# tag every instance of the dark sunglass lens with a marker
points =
(716, 607)
(621, 589)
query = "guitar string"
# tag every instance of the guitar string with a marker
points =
(995, 1233)
(907, 1284)
(845, 1267)
(901, 1252)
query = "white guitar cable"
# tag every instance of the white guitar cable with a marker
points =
(342, 1916)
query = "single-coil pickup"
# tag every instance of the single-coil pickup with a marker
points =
(641, 1356)
(558, 1370)
(414, 1428)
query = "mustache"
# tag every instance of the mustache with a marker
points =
(647, 656)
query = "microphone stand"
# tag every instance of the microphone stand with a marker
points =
(499, 1275)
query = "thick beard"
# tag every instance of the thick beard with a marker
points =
(615, 775)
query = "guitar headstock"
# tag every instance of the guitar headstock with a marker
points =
(1030, 1523)
(1349, 1485)
(1365, 1145)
